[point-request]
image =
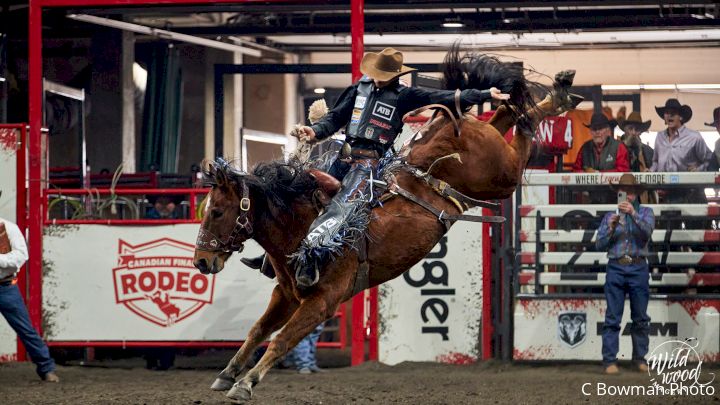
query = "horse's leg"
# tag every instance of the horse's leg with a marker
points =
(277, 313)
(312, 311)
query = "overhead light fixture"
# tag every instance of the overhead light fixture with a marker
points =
(319, 90)
(2, 79)
(711, 86)
(165, 34)
(453, 23)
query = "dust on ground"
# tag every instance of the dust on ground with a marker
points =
(128, 382)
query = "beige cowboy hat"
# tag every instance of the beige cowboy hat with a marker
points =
(636, 119)
(384, 66)
(626, 182)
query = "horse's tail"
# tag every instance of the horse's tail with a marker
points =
(480, 71)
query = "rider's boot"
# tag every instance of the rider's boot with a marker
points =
(344, 217)
(260, 263)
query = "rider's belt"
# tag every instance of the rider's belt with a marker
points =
(627, 260)
(364, 153)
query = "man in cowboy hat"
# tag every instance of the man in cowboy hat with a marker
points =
(625, 235)
(640, 155)
(372, 111)
(603, 152)
(715, 160)
(680, 149)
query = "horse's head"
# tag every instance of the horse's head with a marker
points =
(227, 222)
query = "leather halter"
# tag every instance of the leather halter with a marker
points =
(209, 242)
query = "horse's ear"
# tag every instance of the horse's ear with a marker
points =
(221, 178)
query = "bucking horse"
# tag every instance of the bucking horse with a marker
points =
(277, 202)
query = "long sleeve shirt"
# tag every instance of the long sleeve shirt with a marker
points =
(11, 262)
(622, 159)
(630, 236)
(687, 149)
(409, 98)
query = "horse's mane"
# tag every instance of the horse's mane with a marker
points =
(481, 71)
(281, 182)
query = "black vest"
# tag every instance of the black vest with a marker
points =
(608, 155)
(375, 117)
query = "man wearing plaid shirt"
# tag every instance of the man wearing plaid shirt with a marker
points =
(625, 235)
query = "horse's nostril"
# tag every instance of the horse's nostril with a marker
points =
(202, 265)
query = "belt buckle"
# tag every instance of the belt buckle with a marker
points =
(625, 260)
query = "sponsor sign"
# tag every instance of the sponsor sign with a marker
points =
(432, 312)
(578, 325)
(139, 284)
(157, 281)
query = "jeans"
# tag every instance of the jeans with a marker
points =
(304, 353)
(634, 280)
(13, 309)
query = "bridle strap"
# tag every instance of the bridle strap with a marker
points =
(242, 223)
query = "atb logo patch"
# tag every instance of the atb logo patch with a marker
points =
(382, 110)
(158, 282)
(572, 328)
(322, 228)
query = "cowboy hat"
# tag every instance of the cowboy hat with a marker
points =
(626, 182)
(599, 120)
(672, 103)
(716, 118)
(384, 66)
(635, 119)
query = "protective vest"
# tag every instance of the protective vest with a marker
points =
(608, 155)
(375, 116)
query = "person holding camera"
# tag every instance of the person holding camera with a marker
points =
(625, 235)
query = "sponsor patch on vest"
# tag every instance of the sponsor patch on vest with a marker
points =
(382, 110)
(369, 132)
(609, 158)
(380, 124)
(384, 139)
(355, 118)
(360, 102)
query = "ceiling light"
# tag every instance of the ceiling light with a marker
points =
(453, 23)
(319, 90)
(141, 29)
(710, 86)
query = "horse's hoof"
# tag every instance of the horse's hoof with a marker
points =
(222, 384)
(240, 392)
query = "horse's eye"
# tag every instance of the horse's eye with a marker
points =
(216, 213)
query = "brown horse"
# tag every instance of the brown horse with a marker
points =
(274, 205)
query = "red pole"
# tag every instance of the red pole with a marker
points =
(487, 327)
(373, 324)
(357, 28)
(34, 223)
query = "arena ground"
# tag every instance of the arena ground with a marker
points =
(128, 382)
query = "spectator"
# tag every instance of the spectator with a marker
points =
(602, 153)
(640, 155)
(304, 354)
(12, 257)
(715, 159)
(625, 236)
(680, 149)
(163, 208)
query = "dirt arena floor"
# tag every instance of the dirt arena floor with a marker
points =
(128, 382)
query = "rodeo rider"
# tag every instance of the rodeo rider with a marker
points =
(372, 111)
(625, 235)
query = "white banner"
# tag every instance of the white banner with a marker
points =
(432, 312)
(571, 329)
(8, 186)
(138, 284)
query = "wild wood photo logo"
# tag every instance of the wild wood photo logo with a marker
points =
(157, 281)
